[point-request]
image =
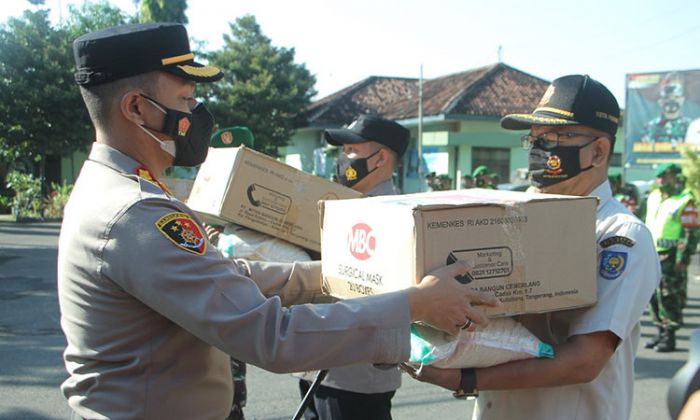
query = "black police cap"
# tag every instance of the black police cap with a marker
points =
(371, 128)
(123, 51)
(571, 100)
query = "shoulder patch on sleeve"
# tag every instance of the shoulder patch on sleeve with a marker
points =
(617, 240)
(183, 231)
(612, 264)
(689, 215)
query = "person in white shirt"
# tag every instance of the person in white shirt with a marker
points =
(572, 134)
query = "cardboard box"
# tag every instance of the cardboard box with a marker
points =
(251, 189)
(536, 252)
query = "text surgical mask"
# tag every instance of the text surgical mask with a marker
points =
(190, 132)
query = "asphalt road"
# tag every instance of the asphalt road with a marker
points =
(31, 343)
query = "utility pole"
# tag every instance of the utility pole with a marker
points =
(420, 131)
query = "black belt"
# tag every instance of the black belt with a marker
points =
(667, 243)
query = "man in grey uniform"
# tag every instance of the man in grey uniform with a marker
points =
(572, 135)
(149, 308)
(371, 149)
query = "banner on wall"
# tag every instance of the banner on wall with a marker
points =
(662, 117)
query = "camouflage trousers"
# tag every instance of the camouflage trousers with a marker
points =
(670, 297)
(240, 390)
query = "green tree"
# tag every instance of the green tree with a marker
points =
(163, 11)
(42, 110)
(91, 16)
(262, 88)
(691, 169)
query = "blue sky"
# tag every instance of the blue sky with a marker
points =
(342, 42)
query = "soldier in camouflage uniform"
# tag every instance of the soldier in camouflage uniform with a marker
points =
(671, 126)
(673, 220)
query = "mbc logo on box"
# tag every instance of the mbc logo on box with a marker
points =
(361, 241)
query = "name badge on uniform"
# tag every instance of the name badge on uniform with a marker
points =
(183, 231)
(612, 264)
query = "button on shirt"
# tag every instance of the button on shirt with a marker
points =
(622, 297)
(150, 324)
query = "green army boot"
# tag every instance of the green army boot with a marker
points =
(654, 340)
(667, 343)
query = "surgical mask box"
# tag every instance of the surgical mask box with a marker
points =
(249, 188)
(535, 252)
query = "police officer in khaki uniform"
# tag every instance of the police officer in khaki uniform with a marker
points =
(149, 307)
(571, 138)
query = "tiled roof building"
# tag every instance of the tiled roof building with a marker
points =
(490, 91)
(461, 112)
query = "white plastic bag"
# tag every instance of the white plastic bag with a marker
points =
(239, 242)
(503, 340)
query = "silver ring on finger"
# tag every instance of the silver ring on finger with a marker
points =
(467, 324)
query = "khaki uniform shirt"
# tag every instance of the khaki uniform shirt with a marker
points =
(151, 310)
(628, 271)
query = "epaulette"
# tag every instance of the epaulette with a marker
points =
(150, 183)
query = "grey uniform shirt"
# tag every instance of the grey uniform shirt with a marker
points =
(628, 271)
(366, 378)
(150, 308)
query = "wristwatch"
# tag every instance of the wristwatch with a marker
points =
(467, 385)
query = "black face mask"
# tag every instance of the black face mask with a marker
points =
(351, 171)
(671, 186)
(671, 107)
(189, 131)
(552, 166)
(667, 188)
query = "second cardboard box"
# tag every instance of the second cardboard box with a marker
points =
(536, 252)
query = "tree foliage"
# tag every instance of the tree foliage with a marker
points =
(42, 108)
(691, 170)
(262, 88)
(43, 113)
(163, 11)
(91, 16)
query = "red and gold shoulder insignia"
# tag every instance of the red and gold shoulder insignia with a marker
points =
(690, 216)
(144, 173)
(183, 231)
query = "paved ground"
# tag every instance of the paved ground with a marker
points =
(31, 343)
